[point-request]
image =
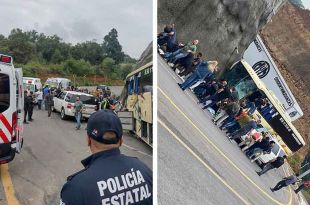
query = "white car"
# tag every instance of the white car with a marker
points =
(64, 103)
(275, 152)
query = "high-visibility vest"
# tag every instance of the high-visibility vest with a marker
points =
(104, 104)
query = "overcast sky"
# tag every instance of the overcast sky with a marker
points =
(79, 20)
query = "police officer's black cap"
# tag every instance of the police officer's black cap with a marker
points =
(101, 122)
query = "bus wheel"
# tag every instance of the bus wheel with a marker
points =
(63, 116)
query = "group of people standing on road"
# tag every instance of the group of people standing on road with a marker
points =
(234, 116)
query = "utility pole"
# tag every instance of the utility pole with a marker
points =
(74, 76)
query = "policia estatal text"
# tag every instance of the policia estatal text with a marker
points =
(109, 177)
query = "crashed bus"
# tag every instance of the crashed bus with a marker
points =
(137, 112)
(244, 78)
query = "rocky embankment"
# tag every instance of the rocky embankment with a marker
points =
(287, 37)
(222, 26)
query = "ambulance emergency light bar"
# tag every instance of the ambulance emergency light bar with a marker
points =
(6, 59)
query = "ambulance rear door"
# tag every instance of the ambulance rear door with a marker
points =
(8, 114)
(20, 109)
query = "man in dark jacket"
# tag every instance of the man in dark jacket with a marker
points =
(273, 164)
(26, 106)
(109, 177)
(286, 181)
(49, 102)
(264, 146)
(31, 106)
(245, 129)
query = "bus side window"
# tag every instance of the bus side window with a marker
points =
(137, 85)
(131, 86)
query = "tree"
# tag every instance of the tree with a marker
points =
(107, 66)
(112, 48)
(78, 67)
(89, 51)
(20, 47)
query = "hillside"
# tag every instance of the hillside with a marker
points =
(287, 37)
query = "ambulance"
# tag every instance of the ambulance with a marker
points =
(32, 84)
(11, 109)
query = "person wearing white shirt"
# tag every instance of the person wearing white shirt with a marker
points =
(39, 95)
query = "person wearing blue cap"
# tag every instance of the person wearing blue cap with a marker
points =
(109, 177)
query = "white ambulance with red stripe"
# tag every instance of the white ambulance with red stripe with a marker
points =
(11, 109)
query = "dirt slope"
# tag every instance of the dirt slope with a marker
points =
(287, 38)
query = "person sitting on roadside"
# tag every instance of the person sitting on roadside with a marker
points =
(231, 108)
(264, 146)
(249, 106)
(188, 70)
(207, 89)
(272, 164)
(224, 92)
(240, 121)
(163, 37)
(245, 129)
(184, 63)
(190, 47)
(204, 69)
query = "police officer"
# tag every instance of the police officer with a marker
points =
(109, 177)
(49, 102)
(26, 106)
(31, 105)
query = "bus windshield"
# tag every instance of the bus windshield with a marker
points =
(4, 92)
(239, 78)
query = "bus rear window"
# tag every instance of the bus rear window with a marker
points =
(4, 92)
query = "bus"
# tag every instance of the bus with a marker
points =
(137, 103)
(251, 87)
(261, 61)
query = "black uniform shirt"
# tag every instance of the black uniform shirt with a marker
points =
(278, 162)
(109, 177)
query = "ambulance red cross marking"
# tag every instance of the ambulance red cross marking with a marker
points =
(6, 123)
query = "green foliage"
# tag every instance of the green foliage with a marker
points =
(112, 48)
(77, 67)
(20, 46)
(294, 161)
(39, 54)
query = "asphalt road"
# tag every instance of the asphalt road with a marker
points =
(197, 164)
(52, 151)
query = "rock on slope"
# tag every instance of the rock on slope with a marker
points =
(220, 25)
